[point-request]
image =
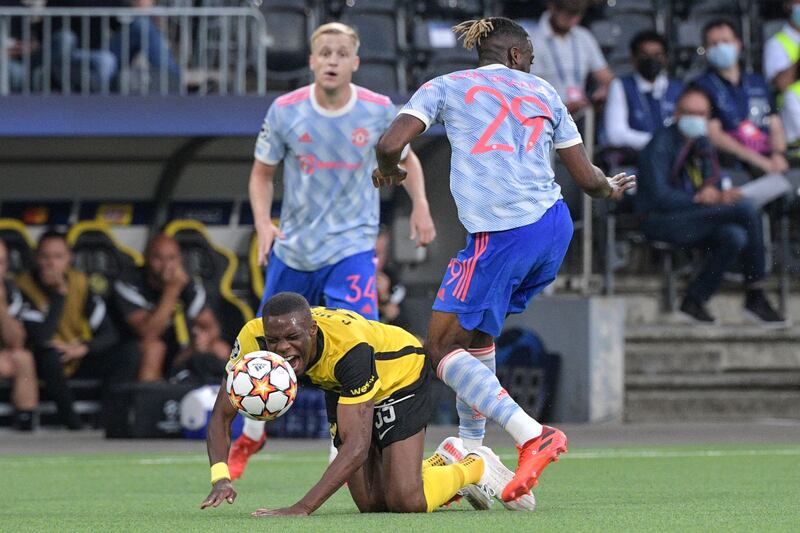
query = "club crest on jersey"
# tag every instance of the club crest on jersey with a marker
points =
(307, 164)
(360, 137)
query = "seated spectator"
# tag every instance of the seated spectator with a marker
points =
(680, 203)
(781, 57)
(643, 102)
(160, 303)
(744, 123)
(566, 54)
(68, 328)
(16, 363)
(203, 360)
(104, 65)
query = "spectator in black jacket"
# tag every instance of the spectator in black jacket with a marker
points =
(68, 328)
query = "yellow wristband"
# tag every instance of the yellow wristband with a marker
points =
(219, 471)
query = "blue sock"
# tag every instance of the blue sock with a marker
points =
(478, 386)
(471, 423)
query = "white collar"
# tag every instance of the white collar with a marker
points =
(791, 31)
(658, 86)
(493, 66)
(333, 112)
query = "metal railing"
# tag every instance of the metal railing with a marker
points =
(44, 50)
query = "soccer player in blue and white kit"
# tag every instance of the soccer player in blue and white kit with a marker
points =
(502, 123)
(325, 135)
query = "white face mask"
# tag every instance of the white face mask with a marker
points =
(693, 126)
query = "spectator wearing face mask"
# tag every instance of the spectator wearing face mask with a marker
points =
(781, 58)
(744, 125)
(680, 202)
(642, 102)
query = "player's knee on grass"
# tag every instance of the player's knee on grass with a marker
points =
(403, 500)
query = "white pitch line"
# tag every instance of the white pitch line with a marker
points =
(10, 461)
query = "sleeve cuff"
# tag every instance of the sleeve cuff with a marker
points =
(265, 160)
(414, 113)
(567, 144)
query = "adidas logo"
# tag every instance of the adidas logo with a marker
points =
(452, 450)
(305, 138)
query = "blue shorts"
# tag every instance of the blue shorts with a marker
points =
(499, 272)
(348, 284)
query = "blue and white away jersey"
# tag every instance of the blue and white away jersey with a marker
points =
(502, 125)
(330, 208)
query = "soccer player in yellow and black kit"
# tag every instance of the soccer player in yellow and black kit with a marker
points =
(377, 381)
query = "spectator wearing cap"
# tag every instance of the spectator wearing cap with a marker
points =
(744, 124)
(642, 102)
(566, 54)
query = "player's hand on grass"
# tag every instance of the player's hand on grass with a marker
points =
(619, 184)
(266, 238)
(396, 177)
(221, 491)
(422, 229)
(294, 510)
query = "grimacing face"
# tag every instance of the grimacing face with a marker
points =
(333, 60)
(293, 336)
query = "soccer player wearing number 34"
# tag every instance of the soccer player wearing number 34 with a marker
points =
(502, 124)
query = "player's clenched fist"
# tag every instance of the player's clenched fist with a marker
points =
(221, 491)
(379, 179)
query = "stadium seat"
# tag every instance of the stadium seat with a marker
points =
(100, 255)
(379, 76)
(451, 8)
(438, 51)
(215, 266)
(19, 244)
(614, 35)
(289, 24)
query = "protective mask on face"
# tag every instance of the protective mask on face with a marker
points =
(796, 15)
(649, 67)
(723, 55)
(693, 126)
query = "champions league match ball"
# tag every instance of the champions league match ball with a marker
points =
(262, 385)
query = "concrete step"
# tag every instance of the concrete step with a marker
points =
(644, 308)
(691, 349)
(731, 380)
(717, 405)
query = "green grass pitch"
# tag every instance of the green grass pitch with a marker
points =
(712, 488)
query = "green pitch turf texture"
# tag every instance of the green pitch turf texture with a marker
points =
(712, 488)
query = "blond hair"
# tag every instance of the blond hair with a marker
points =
(472, 31)
(335, 28)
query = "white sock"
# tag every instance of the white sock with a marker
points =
(253, 429)
(522, 427)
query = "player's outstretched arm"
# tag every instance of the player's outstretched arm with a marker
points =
(591, 179)
(422, 228)
(390, 148)
(218, 443)
(355, 429)
(261, 189)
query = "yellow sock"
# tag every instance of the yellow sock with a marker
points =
(440, 483)
(473, 467)
(433, 460)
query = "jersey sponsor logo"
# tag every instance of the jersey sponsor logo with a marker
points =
(305, 138)
(309, 164)
(364, 388)
(360, 137)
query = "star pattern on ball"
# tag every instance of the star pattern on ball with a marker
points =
(262, 387)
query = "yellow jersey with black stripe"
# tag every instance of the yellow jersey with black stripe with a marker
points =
(356, 358)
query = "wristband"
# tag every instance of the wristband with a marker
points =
(219, 471)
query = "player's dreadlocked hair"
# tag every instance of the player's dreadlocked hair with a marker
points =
(478, 33)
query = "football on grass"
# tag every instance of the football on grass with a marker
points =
(262, 385)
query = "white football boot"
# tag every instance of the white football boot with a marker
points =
(453, 450)
(495, 477)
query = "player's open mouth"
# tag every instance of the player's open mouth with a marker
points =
(293, 361)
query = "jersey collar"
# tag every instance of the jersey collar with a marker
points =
(493, 66)
(333, 112)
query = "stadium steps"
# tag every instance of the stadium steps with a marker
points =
(696, 373)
